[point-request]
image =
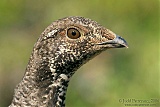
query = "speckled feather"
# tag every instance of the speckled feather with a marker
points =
(56, 57)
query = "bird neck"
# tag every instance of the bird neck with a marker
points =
(44, 84)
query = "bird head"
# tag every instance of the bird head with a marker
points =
(72, 41)
(61, 49)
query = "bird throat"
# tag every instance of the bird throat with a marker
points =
(52, 85)
(52, 80)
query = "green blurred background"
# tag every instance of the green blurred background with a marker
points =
(115, 74)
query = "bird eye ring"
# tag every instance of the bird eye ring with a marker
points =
(73, 33)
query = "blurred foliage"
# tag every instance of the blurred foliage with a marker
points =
(115, 74)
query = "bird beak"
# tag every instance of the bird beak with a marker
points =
(117, 42)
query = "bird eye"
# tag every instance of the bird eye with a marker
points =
(73, 33)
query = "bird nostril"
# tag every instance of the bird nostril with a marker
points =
(109, 34)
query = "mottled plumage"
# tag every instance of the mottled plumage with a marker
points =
(61, 49)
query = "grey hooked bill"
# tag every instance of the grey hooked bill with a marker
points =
(117, 41)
